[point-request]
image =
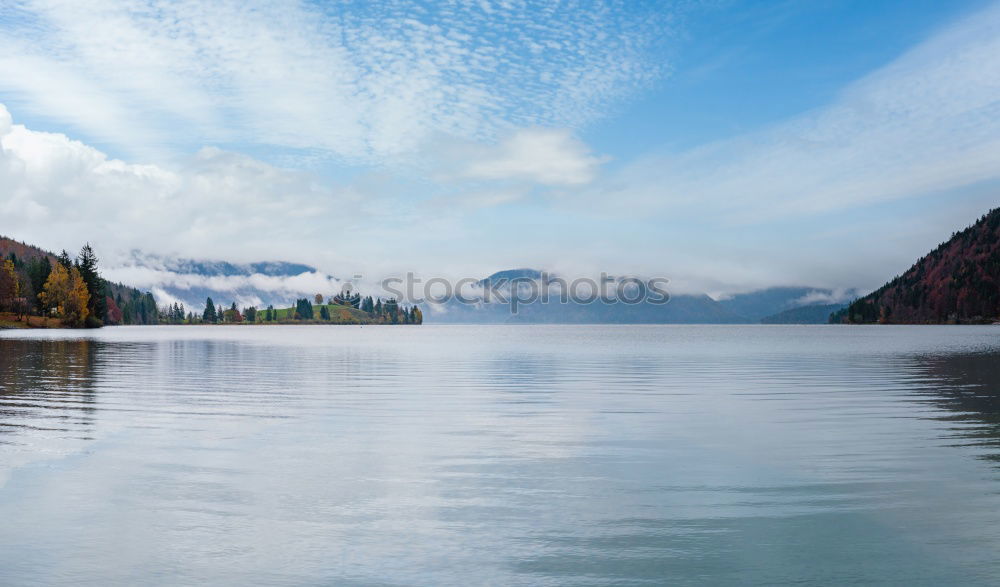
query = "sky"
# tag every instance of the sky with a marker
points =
(724, 145)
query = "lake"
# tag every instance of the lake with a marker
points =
(513, 455)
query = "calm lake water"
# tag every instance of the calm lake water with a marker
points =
(532, 455)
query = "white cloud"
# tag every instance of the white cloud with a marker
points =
(551, 157)
(361, 82)
(60, 193)
(835, 296)
(170, 286)
(926, 123)
(5, 120)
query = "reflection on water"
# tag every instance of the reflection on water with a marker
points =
(510, 455)
(966, 388)
(47, 387)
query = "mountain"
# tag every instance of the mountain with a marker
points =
(785, 305)
(764, 303)
(225, 268)
(9, 246)
(958, 282)
(818, 314)
(191, 281)
(681, 309)
(509, 274)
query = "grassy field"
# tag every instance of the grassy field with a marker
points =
(8, 320)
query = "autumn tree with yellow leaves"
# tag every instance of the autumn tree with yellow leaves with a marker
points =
(10, 287)
(66, 292)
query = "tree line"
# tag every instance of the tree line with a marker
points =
(71, 290)
(338, 309)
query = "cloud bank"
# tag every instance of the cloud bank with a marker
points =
(61, 192)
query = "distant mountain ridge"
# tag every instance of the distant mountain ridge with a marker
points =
(760, 304)
(958, 282)
(192, 281)
(747, 308)
(223, 268)
(818, 314)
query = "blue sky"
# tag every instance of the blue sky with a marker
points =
(725, 145)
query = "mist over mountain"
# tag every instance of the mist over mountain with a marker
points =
(225, 268)
(760, 304)
(191, 281)
(744, 308)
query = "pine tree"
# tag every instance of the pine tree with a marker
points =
(87, 263)
(209, 314)
(64, 260)
(38, 270)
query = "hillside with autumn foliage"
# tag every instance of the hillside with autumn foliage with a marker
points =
(39, 288)
(957, 283)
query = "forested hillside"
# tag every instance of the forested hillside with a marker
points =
(35, 282)
(958, 282)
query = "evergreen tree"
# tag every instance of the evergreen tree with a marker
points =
(391, 309)
(38, 270)
(324, 313)
(87, 263)
(64, 260)
(209, 314)
(303, 309)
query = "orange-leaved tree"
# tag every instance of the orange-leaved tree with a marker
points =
(66, 293)
(10, 287)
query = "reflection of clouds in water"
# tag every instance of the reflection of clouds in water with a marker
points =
(507, 454)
